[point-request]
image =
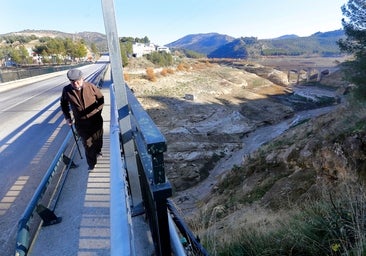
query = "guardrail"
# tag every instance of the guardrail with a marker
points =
(155, 189)
(23, 235)
(16, 73)
(120, 212)
(195, 247)
(163, 218)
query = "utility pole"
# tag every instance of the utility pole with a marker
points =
(121, 99)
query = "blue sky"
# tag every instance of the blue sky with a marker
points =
(165, 21)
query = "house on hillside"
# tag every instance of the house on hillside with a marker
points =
(140, 49)
(163, 49)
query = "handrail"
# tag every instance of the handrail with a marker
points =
(150, 138)
(97, 76)
(198, 249)
(23, 237)
(155, 189)
(177, 246)
(120, 214)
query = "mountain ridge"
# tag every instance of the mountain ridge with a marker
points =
(320, 43)
(215, 45)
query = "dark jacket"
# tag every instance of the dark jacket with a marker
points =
(90, 103)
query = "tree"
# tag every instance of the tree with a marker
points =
(146, 40)
(126, 49)
(39, 49)
(80, 50)
(160, 58)
(354, 25)
(24, 55)
(124, 53)
(94, 48)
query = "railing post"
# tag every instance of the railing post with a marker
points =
(161, 194)
(158, 168)
(151, 145)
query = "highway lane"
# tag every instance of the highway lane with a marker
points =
(32, 129)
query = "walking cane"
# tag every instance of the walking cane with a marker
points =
(76, 141)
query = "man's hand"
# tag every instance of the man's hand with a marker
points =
(69, 121)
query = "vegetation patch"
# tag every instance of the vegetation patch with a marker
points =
(333, 225)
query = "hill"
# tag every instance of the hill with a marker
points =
(202, 43)
(100, 40)
(221, 46)
(216, 45)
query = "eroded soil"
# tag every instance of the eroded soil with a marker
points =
(213, 115)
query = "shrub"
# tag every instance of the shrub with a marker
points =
(151, 74)
(183, 67)
(160, 58)
(164, 72)
(327, 227)
(126, 77)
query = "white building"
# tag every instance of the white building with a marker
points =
(140, 49)
(163, 49)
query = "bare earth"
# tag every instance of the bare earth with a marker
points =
(214, 114)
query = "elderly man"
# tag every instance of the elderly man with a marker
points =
(86, 102)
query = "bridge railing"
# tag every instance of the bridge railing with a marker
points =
(155, 189)
(25, 233)
(120, 213)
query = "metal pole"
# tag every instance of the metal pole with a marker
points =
(121, 99)
(76, 140)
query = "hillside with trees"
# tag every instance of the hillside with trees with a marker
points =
(59, 47)
(201, 43)
(47, 47)
(221, 46)
(31, 47)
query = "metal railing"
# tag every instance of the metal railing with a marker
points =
(120, 212)
(16, 73)
(195, 246)
(24, 233)
(155, 189)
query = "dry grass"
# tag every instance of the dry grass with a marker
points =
(335, 224)
(150, 74)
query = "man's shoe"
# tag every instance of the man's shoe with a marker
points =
(90, 168)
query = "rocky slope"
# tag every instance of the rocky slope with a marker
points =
(243, 142)
(206, 111)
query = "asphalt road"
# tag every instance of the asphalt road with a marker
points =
(32, 129)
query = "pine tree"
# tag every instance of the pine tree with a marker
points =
(354, 25)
